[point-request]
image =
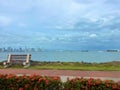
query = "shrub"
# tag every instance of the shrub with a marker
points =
(37, 82)
(91, 84)
(33, 82)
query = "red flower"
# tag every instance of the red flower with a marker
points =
(21, 88)
(35, 88)
(40, 79)
(56, 78)
(114, 86)
(26, 85)
(98, 81)
(47, 82)
(7, 77)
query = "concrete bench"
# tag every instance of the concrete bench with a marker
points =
(23, 59)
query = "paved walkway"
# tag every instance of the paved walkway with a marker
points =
(113, 75)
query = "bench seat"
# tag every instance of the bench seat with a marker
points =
(23, 59)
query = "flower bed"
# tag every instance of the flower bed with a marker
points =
(91, 84)
(36, 82)
(33, 82)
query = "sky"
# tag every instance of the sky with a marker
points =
(60, 24)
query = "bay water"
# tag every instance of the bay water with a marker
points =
(68, 56)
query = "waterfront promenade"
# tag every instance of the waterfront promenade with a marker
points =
(111, 75)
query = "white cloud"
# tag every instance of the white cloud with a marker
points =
(63, 13)
(73, 21)
(93, 36)
(5, 21)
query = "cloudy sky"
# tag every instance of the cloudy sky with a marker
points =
(60, 24)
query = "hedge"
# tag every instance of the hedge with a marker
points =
(37, 82)
(33, 82)
(91, 84)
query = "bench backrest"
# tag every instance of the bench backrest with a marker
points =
(19, 58)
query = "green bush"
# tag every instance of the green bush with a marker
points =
(33, 82)
(37, 82)
(91, 84)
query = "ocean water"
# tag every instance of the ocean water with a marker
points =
(68, 56)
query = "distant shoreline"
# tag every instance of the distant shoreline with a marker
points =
(39, 61)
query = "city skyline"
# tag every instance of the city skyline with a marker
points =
(60, 24)
(20, 49)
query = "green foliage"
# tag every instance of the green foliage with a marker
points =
(33, 82)
(91, 84)
(36, 82)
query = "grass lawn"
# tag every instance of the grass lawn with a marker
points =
(78, 66)
(108, 66)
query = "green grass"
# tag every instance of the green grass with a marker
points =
(109, 66)
(103, 67)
